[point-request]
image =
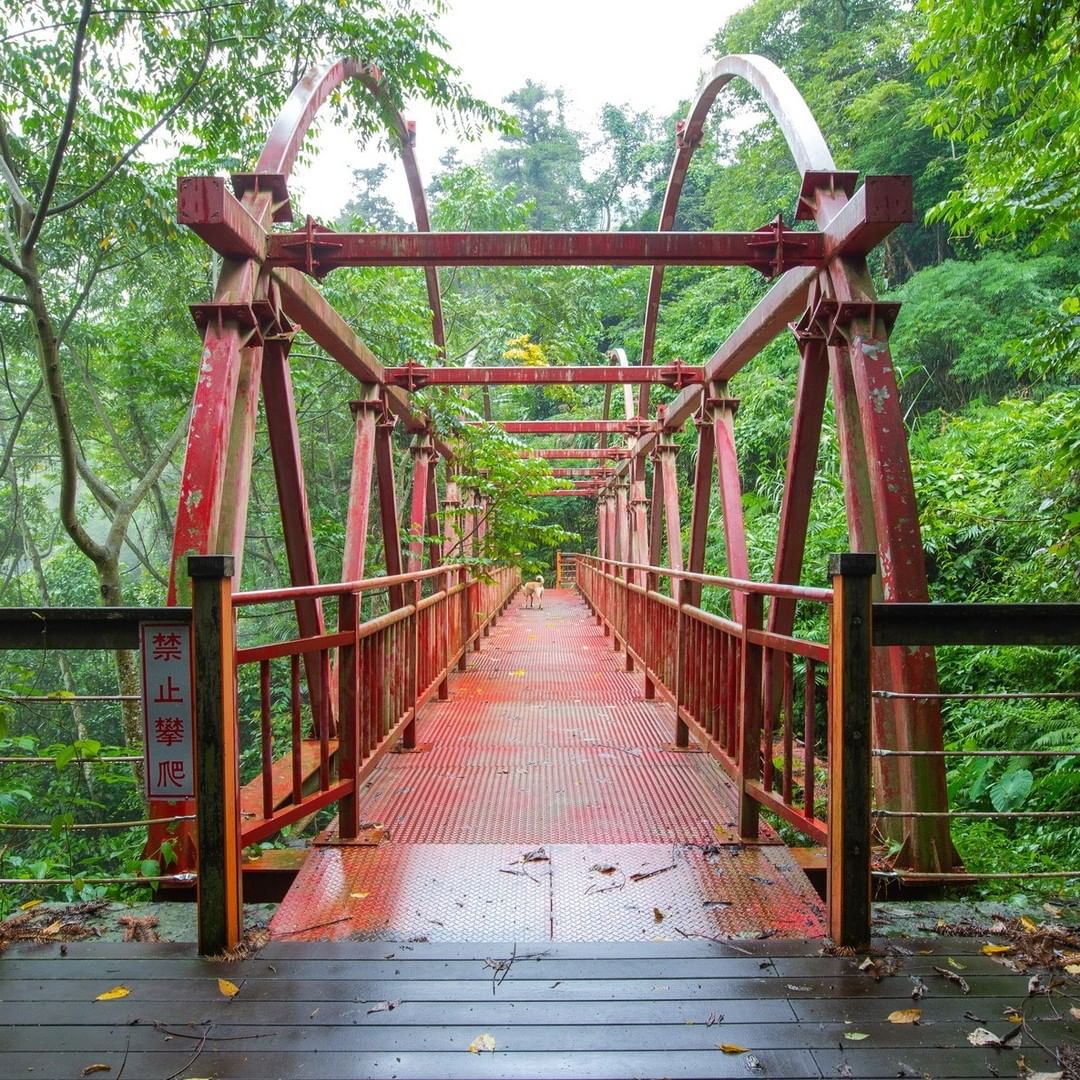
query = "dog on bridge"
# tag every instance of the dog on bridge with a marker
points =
(534, 590)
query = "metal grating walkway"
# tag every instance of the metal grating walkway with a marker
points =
(547, 742)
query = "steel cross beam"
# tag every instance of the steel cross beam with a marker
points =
(771, 250)
(596, 473)
(580, 454)
(417, 376)
(569, 427)
(585, 493)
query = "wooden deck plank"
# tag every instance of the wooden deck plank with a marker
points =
(297, 1016)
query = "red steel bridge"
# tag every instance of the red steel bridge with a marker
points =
(803, 729)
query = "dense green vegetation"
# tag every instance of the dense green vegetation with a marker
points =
(977, 102)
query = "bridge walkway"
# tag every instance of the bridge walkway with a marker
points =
(547, 804)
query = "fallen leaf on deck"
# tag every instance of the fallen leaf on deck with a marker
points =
(539, 855)
(918, 988)
(856, 1036)
(30, 904)
(954, 964)
(1074, 1012)
(602, 868)
(658, 915)
(1045, 1076)
(905, 1016)
(1073, 969)
(906, 1070)
(52, 928)
(89, 1069)
(753, 1063)
(113, 994)
(795, 986)
(229, 989)
(982, 1037)
(733, 1048)
(1035, 986)
(1028, 924)
(482, 1043)
(954, 978)
(519, 673)
(386, 1006)
(994, 950)
(359, 895)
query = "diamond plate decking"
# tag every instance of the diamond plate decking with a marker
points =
(547, 742)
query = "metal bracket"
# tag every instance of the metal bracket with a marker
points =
(814, 181)
(244, 315)
(833, 318)
(276, 184)
(312, 243)
(782, 243)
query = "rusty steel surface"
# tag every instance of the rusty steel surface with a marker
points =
(546, 742)
(417, 376)
(770, 250)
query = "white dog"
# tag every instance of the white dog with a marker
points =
(534, 590)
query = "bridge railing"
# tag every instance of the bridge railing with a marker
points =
(740, 690)
(313, 754)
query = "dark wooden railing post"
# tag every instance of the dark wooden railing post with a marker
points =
(850, 654)
(349, 748)
(412, 684)
(750, 715)
(466, 617)
(217, 761)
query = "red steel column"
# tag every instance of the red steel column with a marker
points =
(699, 516)
(367, 412)
(422, 454)
(388, 509)
(432, 524)
(639, 537)
(292, 499)
(727, 467)
(669, 486)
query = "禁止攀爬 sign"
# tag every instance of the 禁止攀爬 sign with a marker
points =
(168, 710)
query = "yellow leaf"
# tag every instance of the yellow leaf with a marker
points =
(658, 915)
(229, 989)
(519, 673)
(994, 950)
(905, 1016)
(953, 964)
(482, 1043)
(1014, 1017)
(1073, 969)
(52, 928)
(113, 994)
(1026, 923)
(359, 895)
(733, 1048)
(856, 1036)
(30, 904)
(89, 1069)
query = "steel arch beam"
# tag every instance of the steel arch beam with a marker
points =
(800, 129)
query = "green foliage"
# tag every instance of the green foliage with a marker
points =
(1006, 82)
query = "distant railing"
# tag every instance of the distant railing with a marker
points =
(380, 671)
(712, 670)
(983, 626)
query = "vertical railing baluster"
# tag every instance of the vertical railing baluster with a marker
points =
(296, 728)
(809, 738)
(750, 718)
(789, 695)
(350, 739)
(267, 740)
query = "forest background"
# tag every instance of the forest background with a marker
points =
(979, 103)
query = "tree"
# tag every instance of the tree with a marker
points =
(88, 102)
(1006, 78)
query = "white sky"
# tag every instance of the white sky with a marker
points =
(644, 53)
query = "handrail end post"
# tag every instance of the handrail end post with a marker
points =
(849, 748)
(219, 887)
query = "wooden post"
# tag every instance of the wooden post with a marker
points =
(466, 618)
(217, 761)
(850, 685)
(408, 735)
(753, 607)
(349, 748)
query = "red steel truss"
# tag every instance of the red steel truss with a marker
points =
(265, 293)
